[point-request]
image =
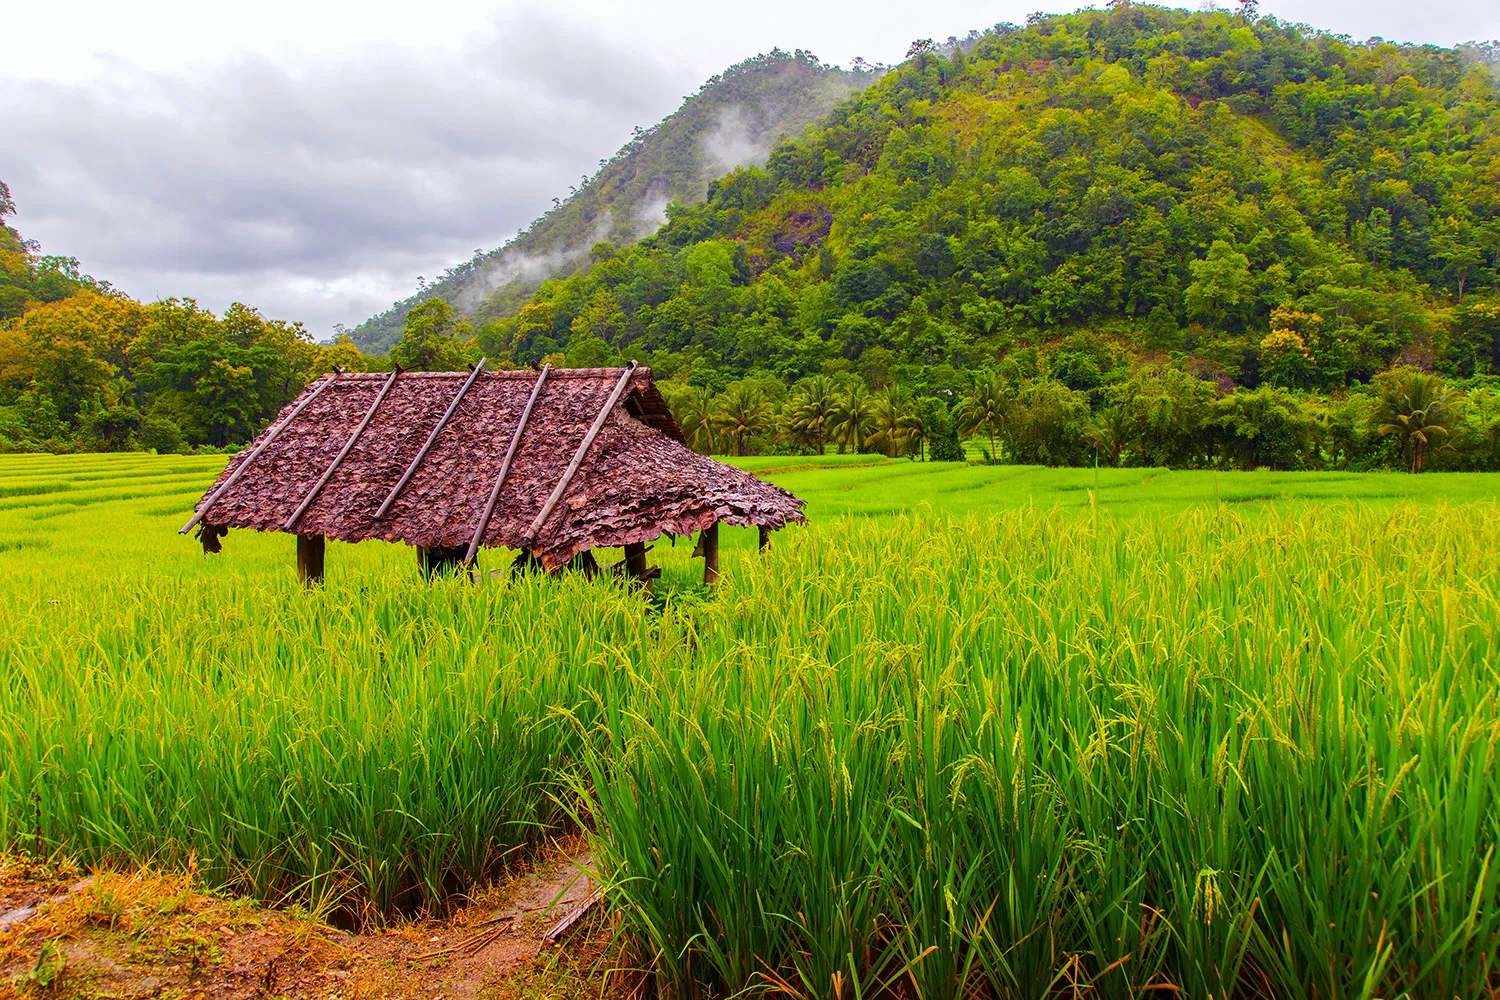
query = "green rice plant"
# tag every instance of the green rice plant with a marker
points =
(1208, 753)
(983, 748)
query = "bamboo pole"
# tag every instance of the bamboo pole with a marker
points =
(583, 449)
(427, 445)
(510, 453)
(235, 476)
(312, 494)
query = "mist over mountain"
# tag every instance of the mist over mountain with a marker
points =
(1265, 201)
(733, 120)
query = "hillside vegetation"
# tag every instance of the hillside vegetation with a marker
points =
(733, 119)
(1137, 236)
(1095, 210)
(1168, 179)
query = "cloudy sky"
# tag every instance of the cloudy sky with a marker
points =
(313, 157)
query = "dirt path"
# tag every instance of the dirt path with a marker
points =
(147, 934)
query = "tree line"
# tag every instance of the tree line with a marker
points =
(85, 368)
(1156, 416)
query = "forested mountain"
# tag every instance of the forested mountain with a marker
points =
(1063, 210)
(732, 120)
(1188, 182)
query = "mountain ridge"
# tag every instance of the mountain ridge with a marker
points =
(733, 119)
(1198, 182)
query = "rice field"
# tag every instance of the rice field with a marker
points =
(972, 732)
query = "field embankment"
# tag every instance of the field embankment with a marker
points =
(1227, 749)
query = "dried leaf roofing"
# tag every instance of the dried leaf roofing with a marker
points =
(637, 480)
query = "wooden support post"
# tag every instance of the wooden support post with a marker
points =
(585, 563)
(635, 560)
(310, 549)
(708, 538)
(209, 535)
(765, 538)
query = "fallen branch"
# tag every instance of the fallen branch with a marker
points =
(473, 942)
(566, 923)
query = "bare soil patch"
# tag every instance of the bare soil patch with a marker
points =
(147, 933)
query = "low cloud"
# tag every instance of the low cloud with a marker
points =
(513, 265)
(320, 194)
(733, 143)
(652, 214)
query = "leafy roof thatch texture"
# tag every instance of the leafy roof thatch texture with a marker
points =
(637, 481)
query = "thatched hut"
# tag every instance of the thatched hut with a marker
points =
(552, 463)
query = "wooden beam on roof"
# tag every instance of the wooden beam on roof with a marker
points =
(583, 449)
(312, 494)
(427, 446)
(235, 476)
(510, 453)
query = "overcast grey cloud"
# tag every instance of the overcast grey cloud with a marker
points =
(321, 193)
(312, 157)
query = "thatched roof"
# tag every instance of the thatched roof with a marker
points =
(637, 480)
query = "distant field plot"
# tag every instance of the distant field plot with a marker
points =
(1228, 736)
(864, 484)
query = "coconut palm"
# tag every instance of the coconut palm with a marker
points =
(853, 417)
(1416, 407)
(888, 414)
(983, 409)
(695, 415)
(811, 411)
(1110, 431)
(741, 412)
(920, 427)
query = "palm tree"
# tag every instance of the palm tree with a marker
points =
(982, 410)
(741, 412)
(919, 430)
(812, 409)
(888, 414)
(1415, 406)
(1111, 431)
(853, 417)
(696, 417)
